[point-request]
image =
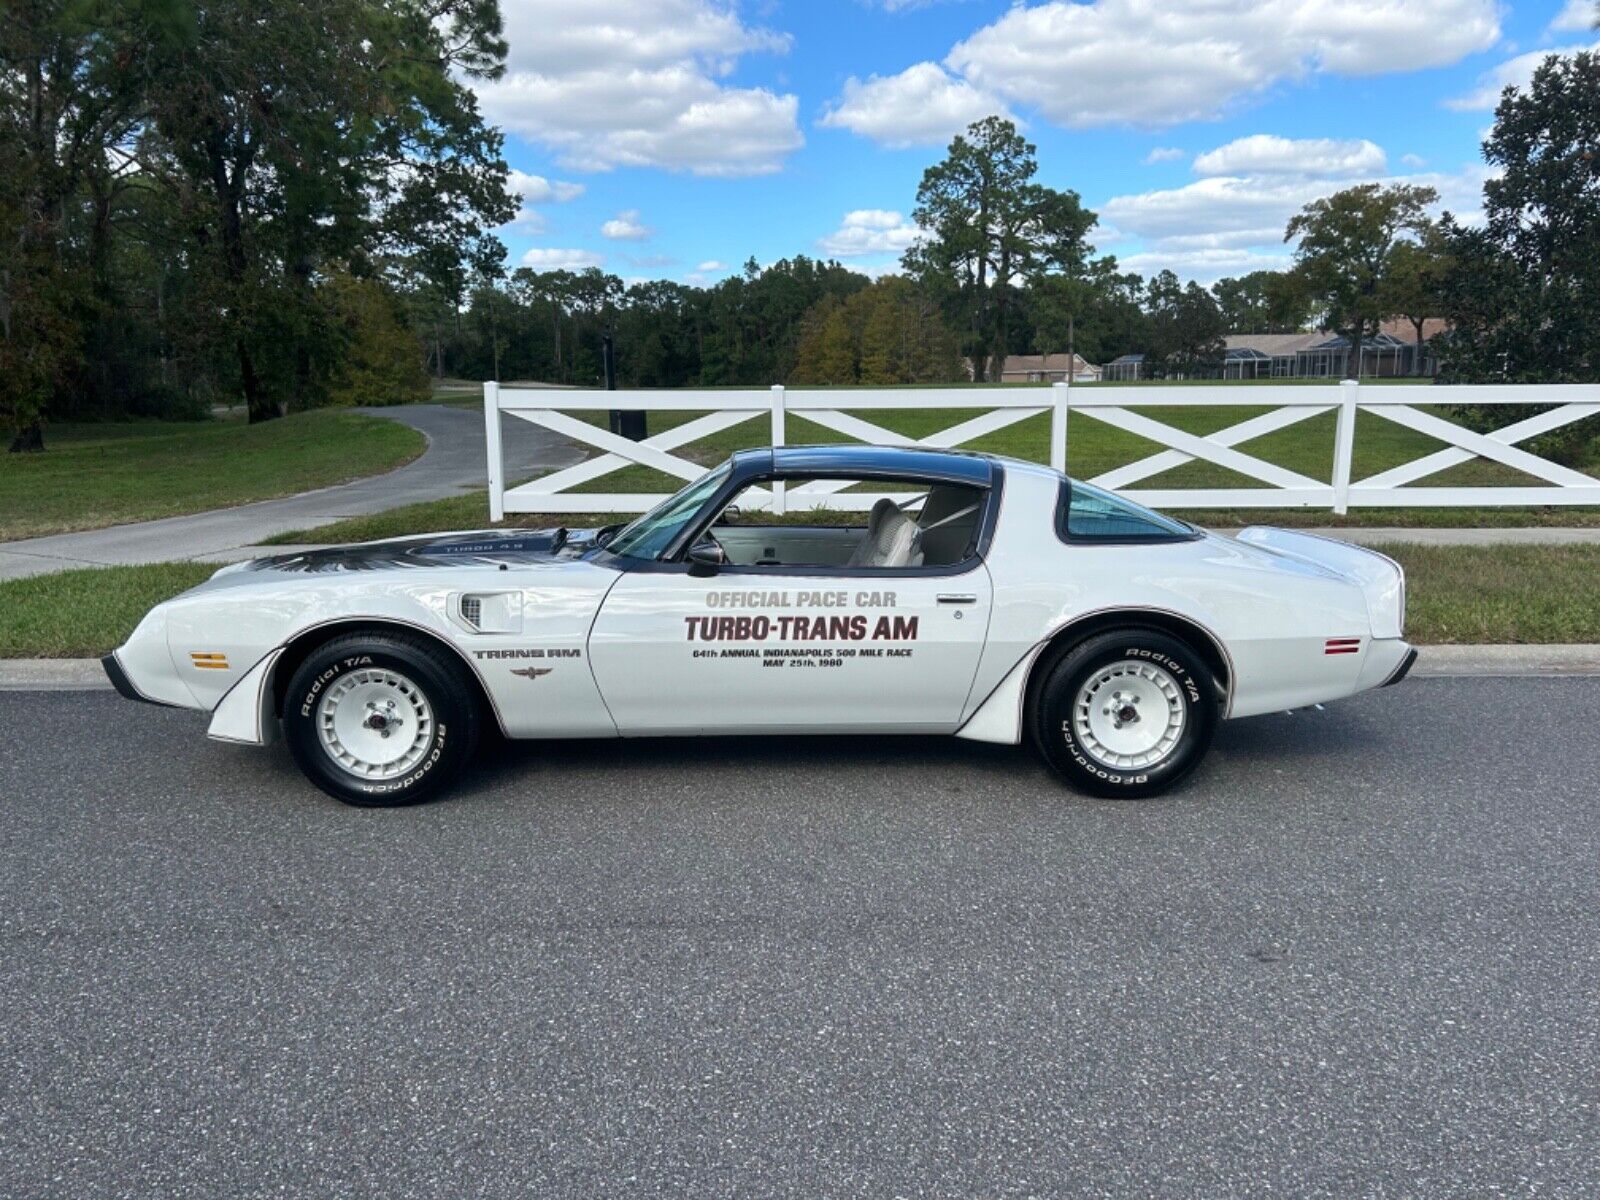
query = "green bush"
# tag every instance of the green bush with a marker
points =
(380, 361)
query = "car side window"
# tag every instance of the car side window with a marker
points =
(915, 524)
(1086, 512)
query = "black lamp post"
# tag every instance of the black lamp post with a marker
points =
(631, 423)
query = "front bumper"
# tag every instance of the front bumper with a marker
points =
(124, 685)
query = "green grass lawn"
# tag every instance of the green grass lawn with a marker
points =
(95, 475)
(86, 613)
(1470, 594)
(1463, 594)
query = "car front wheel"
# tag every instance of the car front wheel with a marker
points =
(1126, 713)
(380, 719)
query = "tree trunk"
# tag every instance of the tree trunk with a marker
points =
(29, 440)
(1072, 353)
(1416, 360)
(258, 405)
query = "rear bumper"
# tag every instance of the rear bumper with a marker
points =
(1402, 670)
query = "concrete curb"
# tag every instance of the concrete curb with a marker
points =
(1434, 662)
(52, 675)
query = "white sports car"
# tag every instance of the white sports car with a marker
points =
(984, 597)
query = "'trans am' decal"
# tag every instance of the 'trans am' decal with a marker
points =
(857, 628)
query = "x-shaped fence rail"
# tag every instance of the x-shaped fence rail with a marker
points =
(712, 412)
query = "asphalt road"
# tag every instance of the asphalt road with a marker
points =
(1358, 955)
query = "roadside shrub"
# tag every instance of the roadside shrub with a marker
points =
(380, 361)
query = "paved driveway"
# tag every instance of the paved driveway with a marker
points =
(1358, 956)
(454, 462)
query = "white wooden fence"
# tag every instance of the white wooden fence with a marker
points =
(1282, 488)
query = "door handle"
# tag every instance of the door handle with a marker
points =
(957, 598)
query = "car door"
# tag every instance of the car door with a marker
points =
(752, 651)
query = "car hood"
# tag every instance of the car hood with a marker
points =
(483, 547)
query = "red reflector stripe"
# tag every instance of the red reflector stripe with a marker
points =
(1343, 650)
(1349, 645)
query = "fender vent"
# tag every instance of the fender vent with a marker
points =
(490, 612)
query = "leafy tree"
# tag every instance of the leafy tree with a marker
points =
(1185, 329)
(1522, 293)
(1345, 244)
(1413, 283)
(380, 358)
(71, 79)
(1263, 302)
(989, 225)
(1071, 312)
(827, 352)
(312, 133)
(884, 335)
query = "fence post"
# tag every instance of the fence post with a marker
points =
(491, 437)
(777, 440)
(1344, 443)
(1059, 393)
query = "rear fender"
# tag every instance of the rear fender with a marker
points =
(1382, 580)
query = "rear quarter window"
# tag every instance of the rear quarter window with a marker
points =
(1086, 513)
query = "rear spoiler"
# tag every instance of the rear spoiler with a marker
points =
(1381, 580)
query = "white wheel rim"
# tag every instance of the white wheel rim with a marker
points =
(375, 723)
(1129, 715)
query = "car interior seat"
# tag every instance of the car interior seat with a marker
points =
(890, 540)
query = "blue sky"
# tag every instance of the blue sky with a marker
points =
(676, 138)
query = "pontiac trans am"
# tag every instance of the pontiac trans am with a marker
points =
(982, 597)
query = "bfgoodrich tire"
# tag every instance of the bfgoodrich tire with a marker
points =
(380, 719)
(1126, 713)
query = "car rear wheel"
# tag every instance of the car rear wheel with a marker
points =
(1128, 712)
(380, 719)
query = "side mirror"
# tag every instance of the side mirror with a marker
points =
(729, 515)
(706, 558)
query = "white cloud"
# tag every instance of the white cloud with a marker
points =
(1267, 154)
(1414, 161)
(1205, 225)
(626, 227)
(1204, 266)
(922, 105)
(638, 83)
(536, 189)
(712, 264)
(1163, 154)
(548, 258)
(1159, 62)
(533, 190)
(1514, 72)
(1576, 16)
(869, 231)
(529, 222)
(1219, 207)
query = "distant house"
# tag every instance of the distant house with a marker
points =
(1125, 368)
(1390, 352)
(1266, 355)
(1048, 368)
